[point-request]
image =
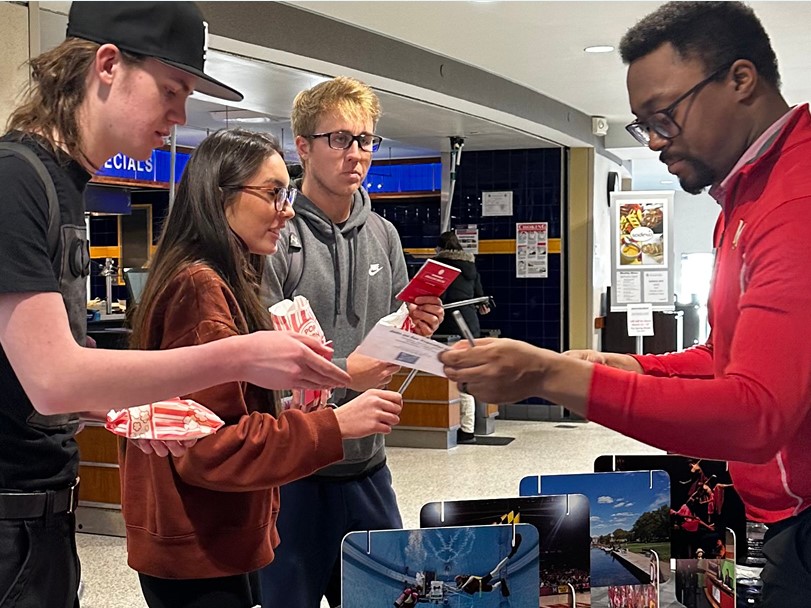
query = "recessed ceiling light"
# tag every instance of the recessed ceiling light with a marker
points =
(600, 48)
(666, 181)
(246, 117)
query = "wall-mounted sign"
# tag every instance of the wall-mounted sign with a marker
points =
(532, 250)
(497, 203)
(468, 238)
(642, 249)
(154, 169)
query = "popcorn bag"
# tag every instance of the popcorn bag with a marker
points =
(173, 419)
(297, 316)
(399, 319)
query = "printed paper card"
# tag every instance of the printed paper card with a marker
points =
(482, 566)
(403, 348)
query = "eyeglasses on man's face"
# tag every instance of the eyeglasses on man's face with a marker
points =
(277, 195)
(342, 140)
(662, 122)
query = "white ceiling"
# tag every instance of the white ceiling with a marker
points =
(538, 44)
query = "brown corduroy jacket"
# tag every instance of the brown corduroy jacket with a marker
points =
(212, 512)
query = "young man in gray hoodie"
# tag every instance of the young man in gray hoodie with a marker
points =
(348, 262)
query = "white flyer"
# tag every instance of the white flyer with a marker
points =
(403, 348)
(640, 319)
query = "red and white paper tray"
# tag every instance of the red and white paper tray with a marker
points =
(173, 419)
(297, 315)
(399, 319)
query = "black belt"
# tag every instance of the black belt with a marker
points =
(33, 505)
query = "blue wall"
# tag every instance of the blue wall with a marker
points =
(527, 309)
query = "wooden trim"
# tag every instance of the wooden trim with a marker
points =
(407, 161)
(421, 252)
(126, 182)
(581, 196)
(488, 247)
(398, 196)
(429, 415)
(99, 485)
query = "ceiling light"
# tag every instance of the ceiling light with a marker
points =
(600, 48)
(666, 181)
(245, 117)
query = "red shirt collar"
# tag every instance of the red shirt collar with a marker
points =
(755, 152)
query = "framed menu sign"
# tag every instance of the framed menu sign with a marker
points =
(642, 249)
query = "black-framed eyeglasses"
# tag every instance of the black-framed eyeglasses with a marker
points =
(342, 140)
(662, 121)
(277, 195)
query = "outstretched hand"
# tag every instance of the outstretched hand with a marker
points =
(497, 370)
(283, 360)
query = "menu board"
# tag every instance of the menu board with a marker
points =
(642, 249)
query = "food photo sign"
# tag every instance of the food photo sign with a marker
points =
(642, 249)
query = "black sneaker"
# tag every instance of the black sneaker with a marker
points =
(464, 437)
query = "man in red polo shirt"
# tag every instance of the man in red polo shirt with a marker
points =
(704, 85)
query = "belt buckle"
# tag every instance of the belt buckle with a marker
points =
(73, 496)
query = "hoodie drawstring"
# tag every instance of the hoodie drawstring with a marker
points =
(336, 264)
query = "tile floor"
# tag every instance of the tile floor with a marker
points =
(420, 476)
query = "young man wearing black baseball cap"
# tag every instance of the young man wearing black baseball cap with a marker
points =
(117, 84)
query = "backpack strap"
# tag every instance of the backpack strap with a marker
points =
(22, 151)
(295, 260)
(295, 251)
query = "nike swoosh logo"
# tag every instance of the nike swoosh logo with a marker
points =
(374, 269)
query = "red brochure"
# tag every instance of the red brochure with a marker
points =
(431, 280)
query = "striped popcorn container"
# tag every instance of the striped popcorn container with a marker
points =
(297, 316)
(164, 420)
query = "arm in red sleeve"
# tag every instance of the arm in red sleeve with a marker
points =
(752, 410)
(254, 450)
(694, 362)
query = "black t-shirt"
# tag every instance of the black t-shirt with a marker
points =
(33, 456)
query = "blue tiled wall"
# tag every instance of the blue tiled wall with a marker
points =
(527, 309)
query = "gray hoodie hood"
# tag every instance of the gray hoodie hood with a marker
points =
(344, 247)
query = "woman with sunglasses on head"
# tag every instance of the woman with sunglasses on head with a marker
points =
(198, 526)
